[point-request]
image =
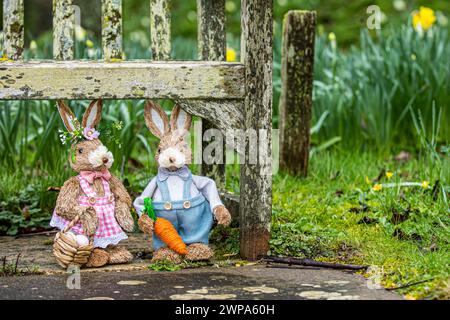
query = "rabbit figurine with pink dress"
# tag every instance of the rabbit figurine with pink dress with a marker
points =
(188, 201)
(97, 197)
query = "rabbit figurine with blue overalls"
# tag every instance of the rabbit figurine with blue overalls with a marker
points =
(189, 202)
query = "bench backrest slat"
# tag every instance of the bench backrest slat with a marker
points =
(211, 30)
(63, 30)
(160, 23)
(112, 29)
(13, 29)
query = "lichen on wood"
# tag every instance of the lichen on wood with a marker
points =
(256, 179)
(13, 28)
(296, 90)
(160, 29)
(225, 114)
(212, 46)
(63, 29)
(122, 80)
(112, 29)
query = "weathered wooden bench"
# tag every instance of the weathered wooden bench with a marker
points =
(225, 95)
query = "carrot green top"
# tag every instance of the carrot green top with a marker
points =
(148, 208)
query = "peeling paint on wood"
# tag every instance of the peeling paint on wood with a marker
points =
(225, 114)
(256, 179)
(211, 30)
(296, 90)
(13, 38)
(212, 47)
(160, 29)
(112, 29)
(122, 80)
(63, 29)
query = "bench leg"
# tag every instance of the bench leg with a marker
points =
(256, 179)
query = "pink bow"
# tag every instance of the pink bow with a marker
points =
(90, 176)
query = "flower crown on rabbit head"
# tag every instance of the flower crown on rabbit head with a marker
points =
(87, 151)
(173, 150)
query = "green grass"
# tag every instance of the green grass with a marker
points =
(323, 217)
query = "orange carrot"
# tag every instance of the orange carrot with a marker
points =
(164, 229)
(166, 232)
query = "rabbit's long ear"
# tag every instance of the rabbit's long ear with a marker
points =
(156, 119)
(67, 116)
(93, 114)
(180, 119)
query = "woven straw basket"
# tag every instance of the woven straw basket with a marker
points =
(67, 251)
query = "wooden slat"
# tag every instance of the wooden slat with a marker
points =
(226, 114)
(63, 29)
(212, 47)
(296, 90)
(13, 29)
(211, 30)
(160, 29)
(112, 29)
(256, 179)
(122, 80)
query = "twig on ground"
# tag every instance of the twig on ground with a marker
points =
(409, 284)
(35, 233)
(17, 263)
(313, 263)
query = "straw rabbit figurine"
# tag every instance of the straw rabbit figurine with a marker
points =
(188, 201)
(99, 198)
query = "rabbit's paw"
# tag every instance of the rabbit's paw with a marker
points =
(118, 254)
(123, 216)
(165, 254)
(145, 224)
(89, 220)
(198, 252)
(98, 258)
(222, 215)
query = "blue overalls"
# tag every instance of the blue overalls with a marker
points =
(191, 217)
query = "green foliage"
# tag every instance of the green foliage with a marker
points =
(335, 215)
(26, 208)
(164, 266)
(370, 90)
(8, 269)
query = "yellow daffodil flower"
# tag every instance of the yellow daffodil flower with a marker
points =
(423, 19)
(377, 187)
(425, 184)
(89, 43)
(33, 45)
(389, 174)
(80, 33)
(231, 55)
(332, 36)
(5, 58)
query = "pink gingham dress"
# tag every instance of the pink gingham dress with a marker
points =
(108, 230)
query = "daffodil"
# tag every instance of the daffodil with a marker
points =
(389, 174)
(423, 19)
(377, 187)
(5, 58)
(89, 43)
(425, 184)
(33, 45)
(80, 33)
(231, 55)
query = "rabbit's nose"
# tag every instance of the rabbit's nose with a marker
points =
(105, 160)
(172, 159)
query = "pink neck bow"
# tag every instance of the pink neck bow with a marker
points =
(90, 176)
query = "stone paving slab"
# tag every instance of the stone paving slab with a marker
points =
(247, 282)
(36, 251)
(136, 281)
